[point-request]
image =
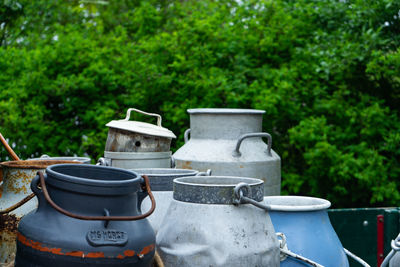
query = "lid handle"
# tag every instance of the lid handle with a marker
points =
(128, 115)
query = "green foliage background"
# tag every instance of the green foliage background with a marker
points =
(327, 73)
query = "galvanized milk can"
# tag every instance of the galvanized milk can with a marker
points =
(306, 230)
(162, 188)
(16, 200)
(229, 142)
(87, 216)
(135, 144)
(203, 227)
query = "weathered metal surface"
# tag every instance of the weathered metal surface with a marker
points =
(84, 160)
(162, 186)
(194, 234)
(16, 187)
(305, 223)
(204, 190)
(229, 141)
(134, 160)
(8, 232)
(125, 141)
(134, 136)
(50, 238)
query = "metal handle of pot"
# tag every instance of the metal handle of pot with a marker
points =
(186, 135)
(236, 152)
(104, 162)
(8, 148)
(128, 115)
(356, 258)
(206, 173)
(18, 204)
(395, 244)
(285, 252)
(145, 187)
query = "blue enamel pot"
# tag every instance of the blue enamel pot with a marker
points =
(307, 229)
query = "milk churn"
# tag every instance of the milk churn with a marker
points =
(162, 188)
(87, 216)
(16, 200)
(306, 230)
(135, 144)
(203, 227)
(229, 142)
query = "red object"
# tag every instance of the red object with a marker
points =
(379, 239)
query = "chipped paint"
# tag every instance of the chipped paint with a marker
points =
(77, 253)
(129, 253)
(147, 249)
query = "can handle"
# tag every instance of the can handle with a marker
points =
(395, 244)
(128, 115)
(145, 187)
(236, 152)
(18, 204)
(186, 135)
(8, 148)
(356, 258)
(206, 173)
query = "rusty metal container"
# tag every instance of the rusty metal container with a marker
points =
(161, 181)
(16, 200)
(204, 227)
(135, 144)
(87, 216)
(229, 142)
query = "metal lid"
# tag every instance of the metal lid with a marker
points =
(224, 111)
(141, 127)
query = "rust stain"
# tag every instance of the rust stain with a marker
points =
(39, 246)
(129, 253)
(9, 222)
(241, 166)
(185, 165)
(8, 233)
(34, 164)
(79, 254)
(147, 249)
(95, 255)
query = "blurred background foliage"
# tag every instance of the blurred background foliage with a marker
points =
(327, 73)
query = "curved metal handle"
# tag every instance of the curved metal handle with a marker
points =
(395, 244)
(236, 152)
(18, 204)
(104, 162)
(8, 148)
(173, 165)
(145, 187)
(206, 173)
(356, 258)
(186, 135)
(128, 115)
